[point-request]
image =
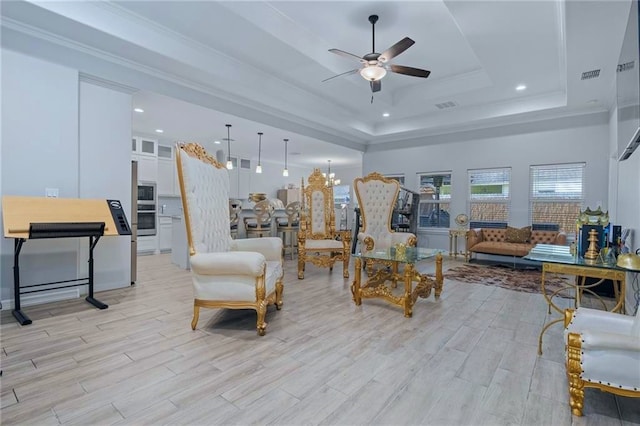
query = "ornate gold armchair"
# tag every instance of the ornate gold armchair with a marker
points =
(377, 197)
(602, 352)
(318, 241)
(227, 273)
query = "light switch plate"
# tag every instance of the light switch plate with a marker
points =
(51, 192)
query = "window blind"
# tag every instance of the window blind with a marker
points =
(489, 194)
(557, 194)
(435, 200)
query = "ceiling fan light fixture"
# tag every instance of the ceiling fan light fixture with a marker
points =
(373, 72)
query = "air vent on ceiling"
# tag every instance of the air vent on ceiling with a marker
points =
(445, 105)
(626, 66)
(590, 74)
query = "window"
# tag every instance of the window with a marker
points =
(399, 220)
(489, 195)
(557, 192)
(399, 178)
(435, 200)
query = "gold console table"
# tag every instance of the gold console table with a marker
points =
(559, 260)
(453, 242)
(376, 285)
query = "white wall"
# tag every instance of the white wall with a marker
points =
(587, 143)
(52, 137)
(105, 172)
(39, 150)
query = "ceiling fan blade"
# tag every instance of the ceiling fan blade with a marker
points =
(396, 49)
(346, 54)
(341, 74)
(413, 72)
(376, 86)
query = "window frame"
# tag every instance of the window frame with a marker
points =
(440, 201)
(568, 224)
(503, 199)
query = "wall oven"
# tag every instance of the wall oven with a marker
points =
(147, 217)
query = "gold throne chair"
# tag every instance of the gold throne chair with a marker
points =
(318, 241)
(377, 197)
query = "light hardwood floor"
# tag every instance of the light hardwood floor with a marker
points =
(469, 358)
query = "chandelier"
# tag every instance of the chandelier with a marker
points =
(330, 178)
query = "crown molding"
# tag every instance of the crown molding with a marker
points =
(97, 81)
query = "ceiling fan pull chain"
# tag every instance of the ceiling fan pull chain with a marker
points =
(371, 98)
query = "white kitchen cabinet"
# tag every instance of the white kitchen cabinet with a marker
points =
(147, 244)
(147, 168)
(289, 195)
(166, 181)
(167, 172)
(144, 146)
(165, 234)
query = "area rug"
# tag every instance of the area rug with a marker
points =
(525, 280)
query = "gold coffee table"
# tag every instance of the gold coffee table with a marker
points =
(381, 283)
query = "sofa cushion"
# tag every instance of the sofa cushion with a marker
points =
(545, 237)
(503, 248)
(515, 235)
(493, 235)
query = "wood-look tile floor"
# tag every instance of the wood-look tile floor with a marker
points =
(468, 358)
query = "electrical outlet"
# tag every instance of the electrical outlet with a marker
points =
(51, 192)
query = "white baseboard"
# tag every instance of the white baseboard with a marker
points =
(44, 297)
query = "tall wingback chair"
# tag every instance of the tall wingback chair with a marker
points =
(318, 241)
(602, 352)
(226, 273)
(377, 197)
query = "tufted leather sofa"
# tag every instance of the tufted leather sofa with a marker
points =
(493, 241)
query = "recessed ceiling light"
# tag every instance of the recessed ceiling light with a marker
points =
(159, 131)
(592, 101)
(216, 142)
(138, 110)
(521, 87)
(386, 114)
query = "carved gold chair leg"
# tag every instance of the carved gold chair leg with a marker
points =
(279, 290)
(345, 266)
(261, 310)
(196, 315)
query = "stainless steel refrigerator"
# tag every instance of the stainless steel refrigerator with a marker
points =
(134, 222)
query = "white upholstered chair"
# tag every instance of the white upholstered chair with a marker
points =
(602, 352)
(377, 197)
(227, 273)
(318, 240)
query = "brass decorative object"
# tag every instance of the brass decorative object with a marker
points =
(592, 252)
(257, 196)
(593, 217)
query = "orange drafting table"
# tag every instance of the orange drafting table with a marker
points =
(28, 218)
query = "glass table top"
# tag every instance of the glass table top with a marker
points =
(412, 254)
(562, 254)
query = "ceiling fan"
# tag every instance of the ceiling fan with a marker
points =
(375, 65)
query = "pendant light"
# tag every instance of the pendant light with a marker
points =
(229, 163)
(285, 172)
(259, 166)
